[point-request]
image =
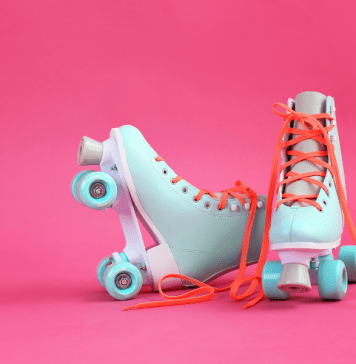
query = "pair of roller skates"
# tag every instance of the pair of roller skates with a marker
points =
(200, 235)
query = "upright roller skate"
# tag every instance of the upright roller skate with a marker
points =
(199, 235)
(307, 223)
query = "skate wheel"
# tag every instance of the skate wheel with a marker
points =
(101, 268)
(348, 255)
(270, 276)
(97, 190)
(332, 280)
(75, 182)
(123, 280)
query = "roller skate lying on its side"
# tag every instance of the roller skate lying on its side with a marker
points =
(198, 234)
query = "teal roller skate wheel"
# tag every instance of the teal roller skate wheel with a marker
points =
(122, 280)
(348, 255)
(75, 182)
(270, 276)
(97, 190)
(332, 280)
(101, 268)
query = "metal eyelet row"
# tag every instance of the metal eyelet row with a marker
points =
(184, 189)
(324, 202)
(207, 205)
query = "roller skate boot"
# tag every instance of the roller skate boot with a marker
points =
(199, 235)
(307, 223)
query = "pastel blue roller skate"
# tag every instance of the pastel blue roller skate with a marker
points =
(307, 224)
(197, 233)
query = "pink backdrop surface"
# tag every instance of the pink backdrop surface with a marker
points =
(198, 78)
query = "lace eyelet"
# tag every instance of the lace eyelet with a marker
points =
(195, 200)
(185, 190)
(330, 184)
(207, 205)
(324, 202)
(247, 206)
(173, 183)
(165, 172)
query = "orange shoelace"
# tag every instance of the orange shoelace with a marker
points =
(205, 292)
(312, 129)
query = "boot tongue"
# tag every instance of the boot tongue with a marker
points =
(309, 103)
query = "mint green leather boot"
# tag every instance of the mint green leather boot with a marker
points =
(311, 207)
(197, 233)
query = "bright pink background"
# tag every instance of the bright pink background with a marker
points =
(198, 78)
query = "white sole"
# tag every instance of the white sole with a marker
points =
(305, 245)
(159, 259)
